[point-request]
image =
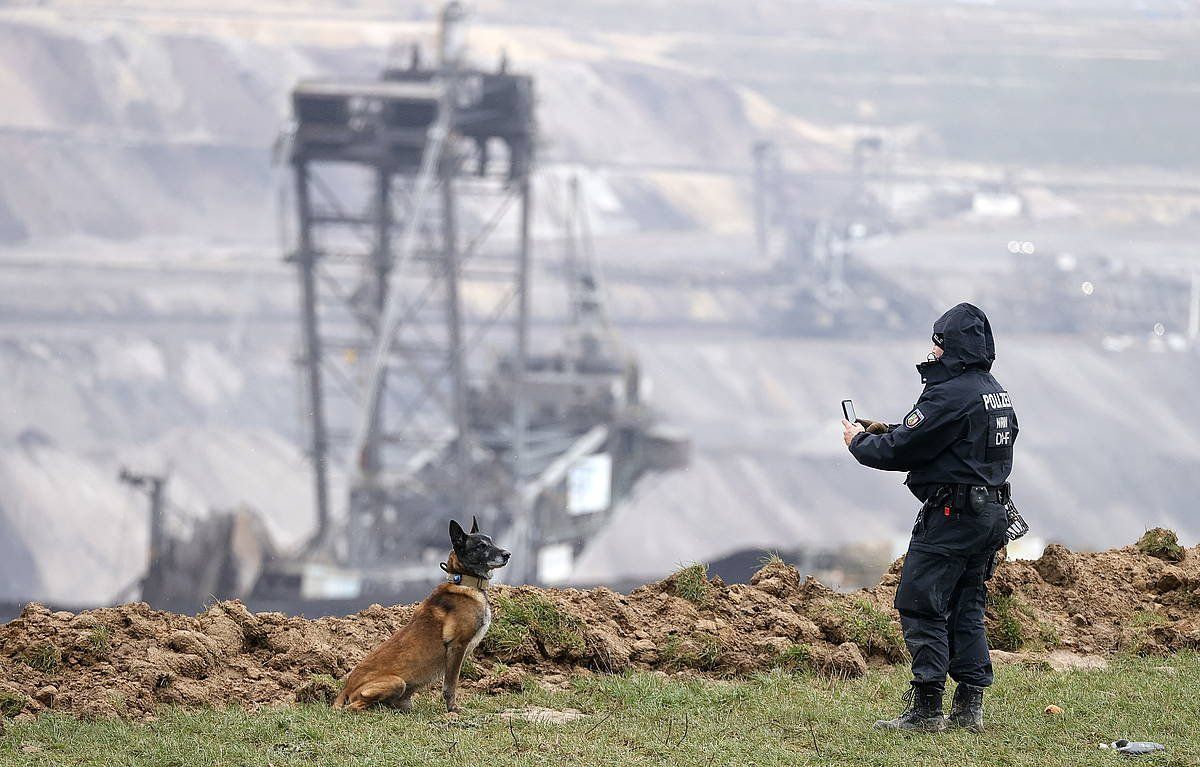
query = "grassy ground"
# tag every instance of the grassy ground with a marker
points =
(645, 719)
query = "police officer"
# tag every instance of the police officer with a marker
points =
(957, 446)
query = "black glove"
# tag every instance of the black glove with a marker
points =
(873, 427)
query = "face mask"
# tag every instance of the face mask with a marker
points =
(931, 357)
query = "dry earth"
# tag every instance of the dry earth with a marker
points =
(129, 660)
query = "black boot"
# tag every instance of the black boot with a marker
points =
(924, 712)
(967, 709)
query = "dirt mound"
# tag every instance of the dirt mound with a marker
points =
(1098, 603)
(128, 660)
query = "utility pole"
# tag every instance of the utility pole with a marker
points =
(152, 485)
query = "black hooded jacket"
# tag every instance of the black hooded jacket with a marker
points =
(962, 429)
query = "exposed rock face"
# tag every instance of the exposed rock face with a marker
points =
(127, 134)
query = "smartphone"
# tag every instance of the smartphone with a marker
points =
(848, 410)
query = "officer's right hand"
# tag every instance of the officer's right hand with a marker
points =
(850, 431)
(872, 427)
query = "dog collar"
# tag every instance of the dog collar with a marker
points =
(475, 581)
(462, 579)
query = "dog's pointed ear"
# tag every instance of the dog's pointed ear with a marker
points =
(457, 536)
(474, 525)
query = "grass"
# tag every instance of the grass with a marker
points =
(11, 703)
(320, 688)
(797, 659)
(1009, 633)
(697, 651)
(532, 618)
(44, 657)
(1018, 626)
(1161, 543)
(470, 669)
(1143, 618)
(644, 719)
(1139, 639)
(1048, 636)
(772, 558)
(691, 583)
(872, 629)
(98, 642)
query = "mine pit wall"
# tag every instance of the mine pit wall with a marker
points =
(132, 119)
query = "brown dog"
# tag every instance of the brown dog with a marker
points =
(447, 626)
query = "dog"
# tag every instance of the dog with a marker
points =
(445, 629)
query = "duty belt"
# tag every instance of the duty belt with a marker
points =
(999, 494)
(957, 497)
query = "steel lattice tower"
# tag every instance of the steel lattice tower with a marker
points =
(401, 188)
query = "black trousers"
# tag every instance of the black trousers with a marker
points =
(943, 591)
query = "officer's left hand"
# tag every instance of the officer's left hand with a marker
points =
(849, 430)
(872, 427)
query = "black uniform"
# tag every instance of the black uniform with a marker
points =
(956, 445)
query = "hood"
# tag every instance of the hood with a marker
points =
(967, 343)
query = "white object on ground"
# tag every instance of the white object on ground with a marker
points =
(1138, 747)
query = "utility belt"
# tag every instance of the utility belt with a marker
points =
(953, 499)
(961, 499)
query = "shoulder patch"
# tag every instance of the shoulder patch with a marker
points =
(914, 419)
